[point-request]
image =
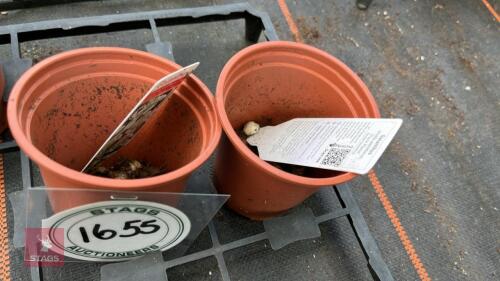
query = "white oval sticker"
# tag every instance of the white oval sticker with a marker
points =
(117, 230)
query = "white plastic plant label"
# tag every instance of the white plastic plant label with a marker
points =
(116, 230)
(139, 114)
(341, 144)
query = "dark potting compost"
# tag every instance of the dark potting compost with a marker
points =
(127, 169)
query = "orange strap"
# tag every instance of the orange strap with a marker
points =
(410, 250)
(492, 11)
(408, 246)
(4, 229)
(289, 20)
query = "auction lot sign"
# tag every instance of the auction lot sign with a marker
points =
(111, 226)
(116, 230)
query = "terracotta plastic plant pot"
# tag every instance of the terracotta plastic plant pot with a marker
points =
(271, 83)
(61, 111)
(3, 118)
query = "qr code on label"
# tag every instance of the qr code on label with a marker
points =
(335, 156)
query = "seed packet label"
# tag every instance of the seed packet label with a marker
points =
(116, 230)
(341, 144)
(139, 114)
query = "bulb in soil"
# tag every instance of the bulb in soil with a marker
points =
(135, 165)
(102, 170)
(251, 128)
(119, 175)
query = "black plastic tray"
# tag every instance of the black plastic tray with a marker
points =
(256, 23)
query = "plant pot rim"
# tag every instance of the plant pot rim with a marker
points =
(242, 147)
(99, 182)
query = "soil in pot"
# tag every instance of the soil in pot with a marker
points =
(128, 169)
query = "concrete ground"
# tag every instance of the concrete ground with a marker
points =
(432, 63)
